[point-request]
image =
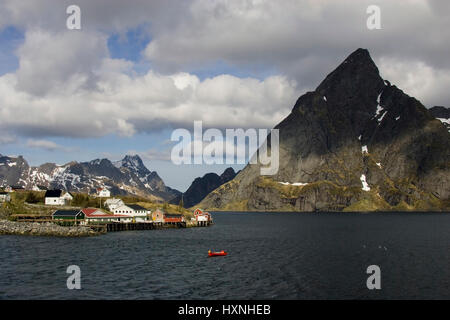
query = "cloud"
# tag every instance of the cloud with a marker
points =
(153, 154)
(304, 40)
(7, 139)
(59, 62)
(416, 77)
(97, 95)
(47, 145)
(67, 84)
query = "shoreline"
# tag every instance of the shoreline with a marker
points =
(331, 212)
(51, 229)
(44, 229)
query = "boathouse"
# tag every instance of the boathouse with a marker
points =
(93, 215)
(173, 218)
(138, 213)
(202, 216)
(68, 215)
(158, 216)
(113, 203)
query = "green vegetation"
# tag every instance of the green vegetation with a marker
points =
(20, 206)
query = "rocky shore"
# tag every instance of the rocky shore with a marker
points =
(44, 229)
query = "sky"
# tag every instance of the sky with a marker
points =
(138, 69)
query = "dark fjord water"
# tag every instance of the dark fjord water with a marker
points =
(271, 256)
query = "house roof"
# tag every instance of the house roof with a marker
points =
(136, 207)
(91, 213)
(173, 215)
(53, 193)
(66, 213)
(113, 200)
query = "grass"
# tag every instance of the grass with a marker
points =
(19, 205)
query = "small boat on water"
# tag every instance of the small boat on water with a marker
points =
(217, 254)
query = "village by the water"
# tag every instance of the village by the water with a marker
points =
(59, 213)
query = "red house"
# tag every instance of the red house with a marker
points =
(202, 216)
(173, 218)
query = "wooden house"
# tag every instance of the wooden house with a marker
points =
(113, 203)
(103, 193)
(173, 218)
(68, 215)
(138, 213)
(57, 197)
(202, 216)
(93, 215)
(157, 216)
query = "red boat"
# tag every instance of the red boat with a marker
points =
(217, 254)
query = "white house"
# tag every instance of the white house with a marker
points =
(5, 197)
(202, 216)
(138, 213)
(67, 197)
(95, 216)
(103, 193)
(113, 203)
(57, 197)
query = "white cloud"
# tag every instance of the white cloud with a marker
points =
(153, 154)
(68, 86)
(47, 145)
(59, 62)
(418, 79)
(6, 139)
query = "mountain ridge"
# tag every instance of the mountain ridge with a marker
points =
(202, 186)
(357, 142)
(126, 176)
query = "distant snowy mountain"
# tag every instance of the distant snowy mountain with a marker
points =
(127, 176)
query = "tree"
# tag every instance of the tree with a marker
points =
(181, 204)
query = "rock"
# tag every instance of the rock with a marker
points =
(44, 229)
(201, 187)
(321, 151)
(127, 176)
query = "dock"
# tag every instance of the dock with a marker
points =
(113, 226)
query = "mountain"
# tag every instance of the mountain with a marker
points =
(201, 187)
(442, 114)
(355, 143)
(127, 176)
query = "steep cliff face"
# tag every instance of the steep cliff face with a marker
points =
(355, 143)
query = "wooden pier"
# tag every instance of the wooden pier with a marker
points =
(204, 223)
(125, 226)
(110, 226)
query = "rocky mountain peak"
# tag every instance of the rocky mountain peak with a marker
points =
(355, 142)
(127, 176)
(227, 174)
(132, 162)
(202, 186)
